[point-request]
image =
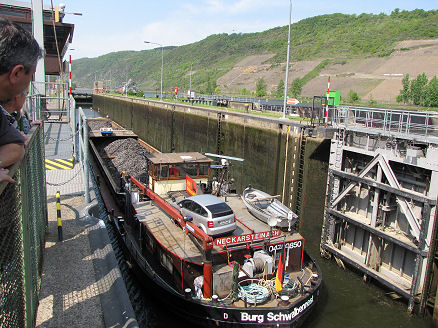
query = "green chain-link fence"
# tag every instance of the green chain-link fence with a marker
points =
(23, 222)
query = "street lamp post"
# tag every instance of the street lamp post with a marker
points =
(190, 88)
(161, 89)
(287, 62)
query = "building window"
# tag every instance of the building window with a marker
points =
(12, 13)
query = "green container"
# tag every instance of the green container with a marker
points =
(337, 97)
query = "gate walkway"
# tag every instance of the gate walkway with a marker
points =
(62, 177)
(419, 126)
(81, 284)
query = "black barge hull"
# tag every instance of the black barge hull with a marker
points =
(206, 314)
(153, 274)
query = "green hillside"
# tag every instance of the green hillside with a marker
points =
(327, 36)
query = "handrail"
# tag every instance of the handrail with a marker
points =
(404, 122)
(83, 151)
(23, 213)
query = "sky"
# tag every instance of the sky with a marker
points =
(113, 25)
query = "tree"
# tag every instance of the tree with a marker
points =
(245, 92)
(352, 96)
(211, 86)
(417, 89)
(395, 12)
(279, 93)
(296, 87)
(371, 100)
(261, 87)
(405, 92)
(431, 93)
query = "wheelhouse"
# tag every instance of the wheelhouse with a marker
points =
(169, 171)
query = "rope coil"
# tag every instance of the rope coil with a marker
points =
(253, 293)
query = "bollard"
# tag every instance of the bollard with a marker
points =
(58, 214)
(188, 293)
(284, 300)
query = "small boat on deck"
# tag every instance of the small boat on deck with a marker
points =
(252, 275)
(268, 209)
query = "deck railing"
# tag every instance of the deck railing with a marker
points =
(387, 121)
(49, 100)
(23, 222)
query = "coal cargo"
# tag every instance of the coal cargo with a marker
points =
(125, 155)
(97, 124)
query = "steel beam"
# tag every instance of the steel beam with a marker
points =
(377, 232)
(379, 159)
(362, 174)
(403, 203)
(372, 273)
(400, 192)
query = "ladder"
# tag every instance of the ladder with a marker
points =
(219, 138)
(219, 134)
(336, 162)
(300, 173)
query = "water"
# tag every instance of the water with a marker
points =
(346, 300)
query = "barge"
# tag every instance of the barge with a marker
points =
(254, 275)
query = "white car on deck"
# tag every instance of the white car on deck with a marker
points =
(209, 213)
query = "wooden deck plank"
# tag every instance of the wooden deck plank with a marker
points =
(166, 231)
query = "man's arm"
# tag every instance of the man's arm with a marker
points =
(11, 142)
(4, 176)
(10, 154)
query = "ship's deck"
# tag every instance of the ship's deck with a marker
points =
(171, 236)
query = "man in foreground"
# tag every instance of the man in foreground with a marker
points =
(19, 55)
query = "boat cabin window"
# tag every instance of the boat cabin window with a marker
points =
(164, 171)
(179, 171)
(174, 172)
(191, 169)
(203, 169)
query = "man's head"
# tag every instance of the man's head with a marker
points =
(19, 55)
(16, 103)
